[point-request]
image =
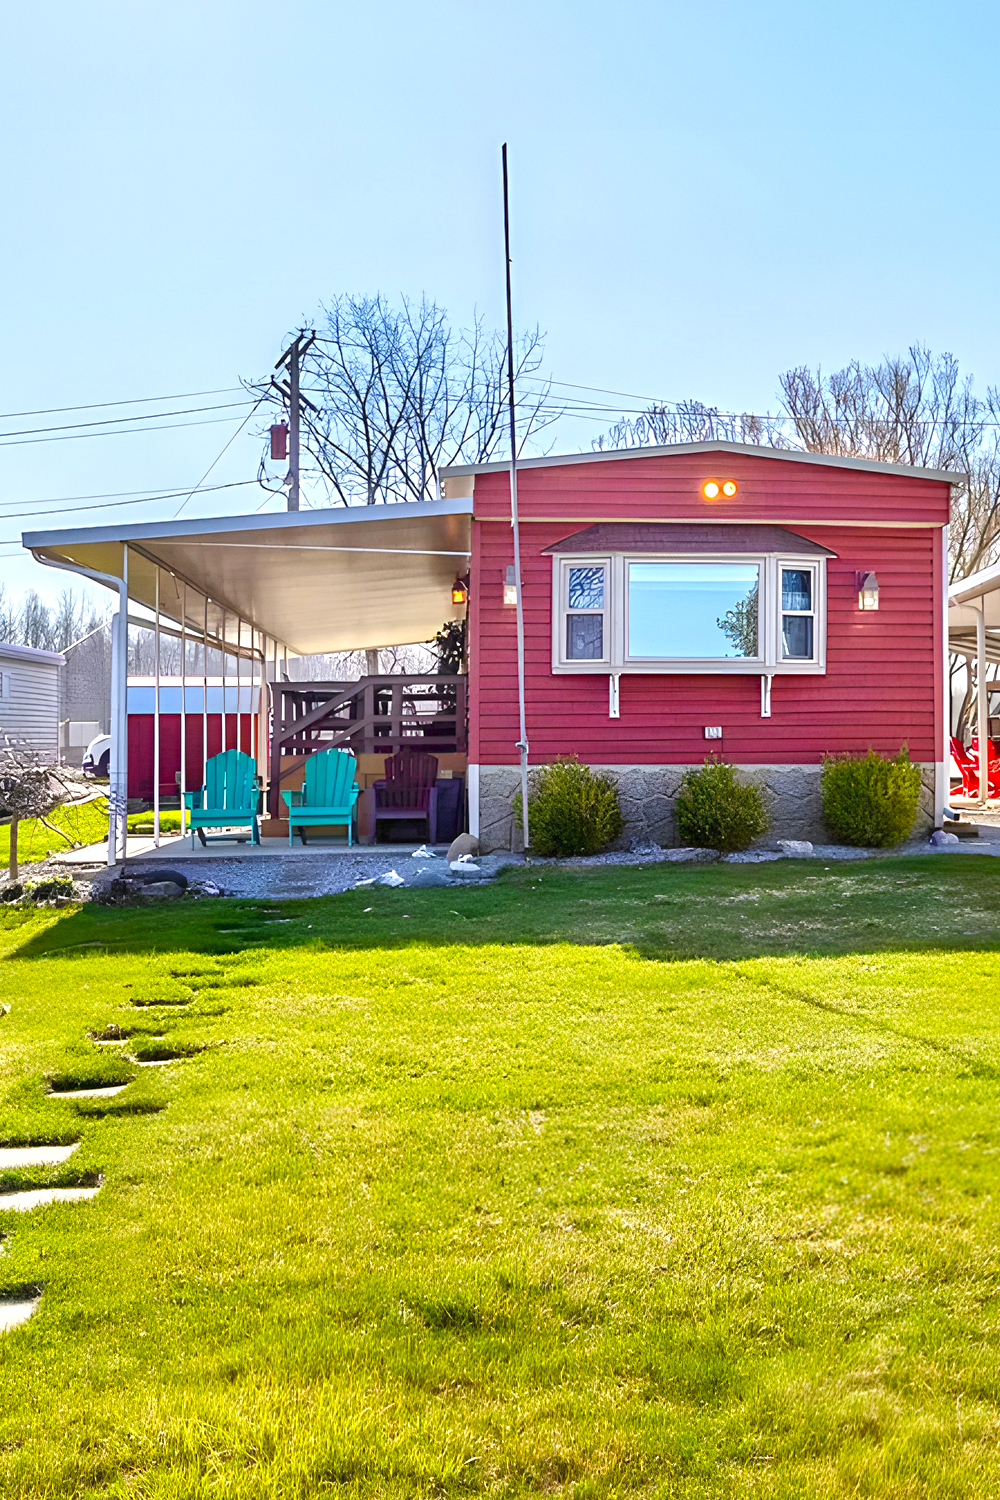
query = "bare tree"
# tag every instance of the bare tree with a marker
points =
(917, 410)
(692, 422)
(28, 789)
(29, 621)
(395, 395)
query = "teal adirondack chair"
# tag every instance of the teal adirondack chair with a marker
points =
(228, 799)
(328, 794)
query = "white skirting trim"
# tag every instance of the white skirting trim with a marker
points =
(472, 783)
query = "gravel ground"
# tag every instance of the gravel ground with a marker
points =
(292, 877)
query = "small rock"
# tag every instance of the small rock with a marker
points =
(464, 867)
(644, 846)
(423, 853)
(466, 843)
(795, 848)
(939, 838)
(691, 856)
(204, 888)
(390, 878)
(160, 890)
(426, 878)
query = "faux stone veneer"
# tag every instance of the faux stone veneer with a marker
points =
(646, 793)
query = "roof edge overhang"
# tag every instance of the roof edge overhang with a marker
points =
(750, 450)
(986, 581)
(32, 653)
(140, 531)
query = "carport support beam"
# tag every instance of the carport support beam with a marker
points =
(982, 705)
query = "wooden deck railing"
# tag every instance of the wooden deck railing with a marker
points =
(373, 715)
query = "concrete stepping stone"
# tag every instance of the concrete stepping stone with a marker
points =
(99, 1093)
(37, 1197)
(12, 1314)
(35, 1156)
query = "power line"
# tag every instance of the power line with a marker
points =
(14, 515)
(215, 460)
(74, 437)
(147, 416)
(52, 411)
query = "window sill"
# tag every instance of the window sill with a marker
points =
(692, 669)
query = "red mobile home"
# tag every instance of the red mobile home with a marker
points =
(774, 606)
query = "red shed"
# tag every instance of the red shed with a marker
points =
(775, 606)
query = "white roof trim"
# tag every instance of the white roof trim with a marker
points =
(273, 521)
(31, 653)
(986, 581)
(789, 455)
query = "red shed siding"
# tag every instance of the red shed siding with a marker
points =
(667, 488)
(881, 686)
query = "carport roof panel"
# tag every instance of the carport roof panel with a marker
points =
(330, 580)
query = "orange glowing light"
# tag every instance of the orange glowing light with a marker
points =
(729, 488)
(459, 593)
(710, 489)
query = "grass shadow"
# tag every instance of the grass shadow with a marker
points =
(725, 912)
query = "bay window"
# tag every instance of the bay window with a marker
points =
(690, 612)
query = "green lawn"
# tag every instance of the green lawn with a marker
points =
(83, 823)
(631, 1182)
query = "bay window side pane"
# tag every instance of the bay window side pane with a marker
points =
(584, 637)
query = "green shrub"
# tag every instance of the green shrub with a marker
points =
(715, 811)
(571, 810)
(869, 801)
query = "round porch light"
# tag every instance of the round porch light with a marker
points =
(459, 592)
(710, 489)
(729, 487)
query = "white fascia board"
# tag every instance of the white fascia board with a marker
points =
(31, 653)
(986, 581)
(218, 525)
(787, 455)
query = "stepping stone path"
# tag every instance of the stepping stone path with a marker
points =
(18, 1308)
(35, 1156)
(101, 1093)
(12, 1313)
(36, 1197)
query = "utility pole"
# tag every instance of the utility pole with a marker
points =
(292, 361)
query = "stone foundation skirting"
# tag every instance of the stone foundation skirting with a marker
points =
(646, 793)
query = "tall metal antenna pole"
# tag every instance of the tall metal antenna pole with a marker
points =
(293, 426)
(522, 744)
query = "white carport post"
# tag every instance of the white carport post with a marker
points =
(982, 706)
(182, 788)
(156, 718)
(118, 767)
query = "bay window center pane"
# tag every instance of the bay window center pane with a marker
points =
(693, 609)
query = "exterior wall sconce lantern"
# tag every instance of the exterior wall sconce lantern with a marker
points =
(712, 488)
(509, 586)
(867, 591)
(460, 591)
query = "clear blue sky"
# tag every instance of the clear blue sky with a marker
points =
(703, 195)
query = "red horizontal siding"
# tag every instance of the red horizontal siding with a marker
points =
(666, 488)
(881, 686)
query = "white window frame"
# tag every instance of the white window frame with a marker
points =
(768, 660)
(563, 567)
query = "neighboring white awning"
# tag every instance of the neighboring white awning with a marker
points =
(331, 580)
(966, 598)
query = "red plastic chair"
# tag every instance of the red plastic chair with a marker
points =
(969, 767)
